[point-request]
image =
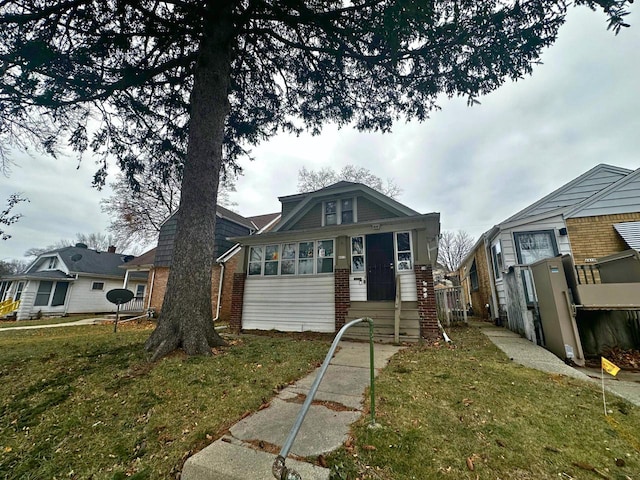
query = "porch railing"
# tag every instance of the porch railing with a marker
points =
(587, 274)
(136, 304)
(8, 306)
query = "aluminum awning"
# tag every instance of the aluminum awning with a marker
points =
(630, 232)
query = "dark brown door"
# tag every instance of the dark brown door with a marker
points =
(380, 270)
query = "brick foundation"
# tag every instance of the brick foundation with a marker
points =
(237, 298)
(426, 303)
(342, 296)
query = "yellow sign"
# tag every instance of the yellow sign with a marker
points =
(609, 367)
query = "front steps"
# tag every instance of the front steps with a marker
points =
(383, 316)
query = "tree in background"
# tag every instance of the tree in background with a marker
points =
(195, 83)
(453, 248)
(310, 180)
(11, 267)
(137, 214)
(6, 218)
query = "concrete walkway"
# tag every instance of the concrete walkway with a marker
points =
(524, 352)
(85, 321)
(247, 452)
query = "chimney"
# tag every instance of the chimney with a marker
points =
(111, 249)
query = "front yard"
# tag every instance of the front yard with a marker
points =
(468, 412)
(81, 402)
(84, 403)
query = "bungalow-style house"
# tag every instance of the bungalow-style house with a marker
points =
(339, 253)
(594, 215)
(69, 280)
(156, 263)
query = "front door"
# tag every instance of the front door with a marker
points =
(380, 271)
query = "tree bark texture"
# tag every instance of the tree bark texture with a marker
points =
(186, 320)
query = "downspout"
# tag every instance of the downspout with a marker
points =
(126, 278)
(153, 278)
(218, 301)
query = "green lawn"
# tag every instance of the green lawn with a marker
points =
(445, 411)
(84, 403)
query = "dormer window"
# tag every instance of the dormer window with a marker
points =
(53, 263)
(338, 212)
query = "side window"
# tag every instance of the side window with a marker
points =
(346, 210)
(534, 246)
(44, 291)
(140, 291)
(357, 254)
(53, 263)
(97, 286)
(330, 213)
(305, 258)
(403, 251)
(255, 261)
(288, 262)
(325, 256)
(271, 259)
(498, 265)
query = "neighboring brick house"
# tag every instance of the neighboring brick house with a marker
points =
(474, 275)
(595, 215)
(158, 260)
(337, 254)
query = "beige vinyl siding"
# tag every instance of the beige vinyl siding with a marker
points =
(369, 211)
(287, 207)
(408, 286)
(292, 304)
(357, 288)
(312, 219)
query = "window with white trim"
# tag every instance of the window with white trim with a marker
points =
(255, 260)
(338, 212)
(97, 286)
(496, 256)
(53, 263)
(288, 262)
(302, 258)
(325, 256)
(271, 259)
(48, 296)
(357, 254)
(140, 291)
(403, 251)
(305, 258)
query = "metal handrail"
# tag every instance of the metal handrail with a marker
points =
(279, 469)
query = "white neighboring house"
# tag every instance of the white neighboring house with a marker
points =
(70, 280)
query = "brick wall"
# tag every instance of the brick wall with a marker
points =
(426, 305)
(159, 287)
(342, 296)
(237, 298)
(162, 276)
(594, 237)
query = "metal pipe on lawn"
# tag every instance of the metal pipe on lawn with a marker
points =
(279, 470)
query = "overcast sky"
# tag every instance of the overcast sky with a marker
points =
(475, 165)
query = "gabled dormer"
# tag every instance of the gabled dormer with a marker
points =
(342, 203)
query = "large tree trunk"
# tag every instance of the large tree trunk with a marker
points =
(186, 319)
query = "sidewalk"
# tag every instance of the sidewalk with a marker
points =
(253, 443)
(528, 354)
(85, 321)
